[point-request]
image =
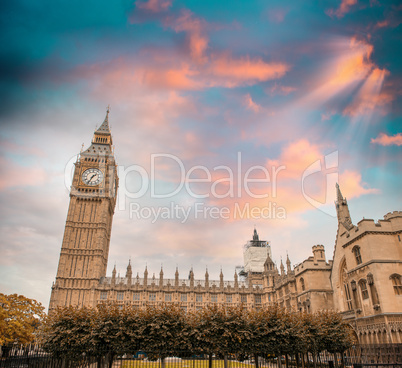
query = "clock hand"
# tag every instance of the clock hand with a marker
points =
(90, 179)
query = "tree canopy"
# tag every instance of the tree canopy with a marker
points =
(167, 330)
(20, 318)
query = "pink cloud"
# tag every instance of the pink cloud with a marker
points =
(351, 72)
(296, 157)
(387, 140)
(344, 8)
(278, 89)
(154, 6)
(352, 185)
(353, 65)
(392, 19)
(245, 71)
(195, 28)
(177, 78)
(350, 66)
(164, 72)
(382, 24)
(250, 104)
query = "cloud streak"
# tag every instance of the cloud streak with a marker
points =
(388, 140)
(344, 8)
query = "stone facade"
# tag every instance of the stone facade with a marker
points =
(363, 281)
(366, 274)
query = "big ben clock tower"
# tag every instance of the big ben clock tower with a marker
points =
(85, 248)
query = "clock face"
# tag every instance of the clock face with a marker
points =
(92, 176)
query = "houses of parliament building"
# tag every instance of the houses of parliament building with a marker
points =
(363, 280)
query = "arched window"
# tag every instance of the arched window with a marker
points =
(356, 252)
(303, 286)
(396, 283)
(343, 276)
(363, 289)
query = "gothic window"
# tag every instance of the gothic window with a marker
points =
(397, 283)
(168, 297)
(358, 256)
(214, 298)
(244, 298)
(348, 297)
(229, 298)
(152, 297)
(363, 288)
(258, 299)
(303, 286)
(183, 297)
(120, 295)
(136, 296)
(103, 295)
(198, 298)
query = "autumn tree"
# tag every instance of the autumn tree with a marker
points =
(314, 342)
(20, 318)
(164, 330)
(220, 330)
(67, 332)
(110, 332)
(336, 335)
(270, 331)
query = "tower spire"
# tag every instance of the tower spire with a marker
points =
(339, 197)
(342, 209)
(288, 263)
(255, 235)
(282, 268)
(104, 128)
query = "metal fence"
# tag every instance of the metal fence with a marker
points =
(357, 357)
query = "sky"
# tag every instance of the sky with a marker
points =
(240, 114)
